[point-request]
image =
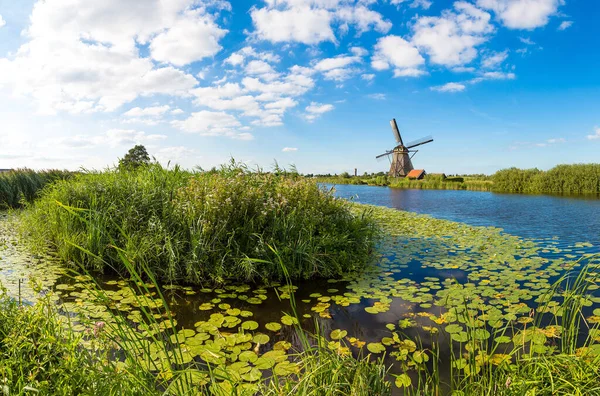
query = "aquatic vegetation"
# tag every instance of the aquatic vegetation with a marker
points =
(203, 227)
(21, 186)
(456, 308)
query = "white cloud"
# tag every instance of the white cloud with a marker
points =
(210, 123)
(337, 68)
(154, 111)
(377, 96)
(425, 4)
(565, 25)
(452, 38)
(315, 110)
(522, 14)
(312, 21)
(2, 21)
(81, 56)
(289, 149)
(193, 37)
(493, 60)
(235, 59)
(359, 51)
(364, 19)
(498, 76)
(367, 77)
(394, 51)
(262, 69)
(303, 24)
(526, 41)
(449, 87)
(177, 111)
(595, 135)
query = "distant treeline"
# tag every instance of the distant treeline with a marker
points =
(21, 186)
(562, 179)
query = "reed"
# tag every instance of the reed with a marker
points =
(201, 227)
(21, 186)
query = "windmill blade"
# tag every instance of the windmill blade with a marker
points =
(384, 154)
(396, 131)
(418, 142)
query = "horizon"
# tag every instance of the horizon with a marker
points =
(314, 83)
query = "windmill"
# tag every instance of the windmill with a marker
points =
(399, 156)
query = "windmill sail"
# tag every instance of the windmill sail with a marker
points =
(418, 142)
(396, 131)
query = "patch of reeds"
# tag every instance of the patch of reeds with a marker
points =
(198, 227)
(21, 186)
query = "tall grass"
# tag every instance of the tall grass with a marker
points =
(21, 186)
(562, 179)
(208, 226)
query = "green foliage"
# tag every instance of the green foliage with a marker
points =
(204, 226)
(39, 354)
(136, 156)
(562, 179)
(21, 186)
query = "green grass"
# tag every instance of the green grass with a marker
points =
(22, 186)
(201, 227)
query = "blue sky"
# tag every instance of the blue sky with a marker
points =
(314, 83)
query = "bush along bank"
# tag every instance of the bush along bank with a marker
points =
(195, 227)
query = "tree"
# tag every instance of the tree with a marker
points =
(135, 157)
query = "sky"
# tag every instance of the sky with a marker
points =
(314, 83)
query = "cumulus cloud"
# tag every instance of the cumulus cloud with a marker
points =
(595, 135)
(313, 21)
(289, 149)
(363, 19)
(2, 21)
(399, 54)
(522, 14)
(451, 39)
(302, 24)
(338, 68)
(315, 110)
(82, 56)
(193, 37)
(449, 87)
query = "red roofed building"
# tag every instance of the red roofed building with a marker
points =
(416, 174)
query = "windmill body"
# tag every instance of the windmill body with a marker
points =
(400, 156)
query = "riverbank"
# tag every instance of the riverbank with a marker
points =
(576, 179)
(441, 297)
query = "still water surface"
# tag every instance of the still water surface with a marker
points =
(571, 219)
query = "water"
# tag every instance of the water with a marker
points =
(570, 219)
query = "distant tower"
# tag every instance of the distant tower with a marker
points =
(355, 172)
